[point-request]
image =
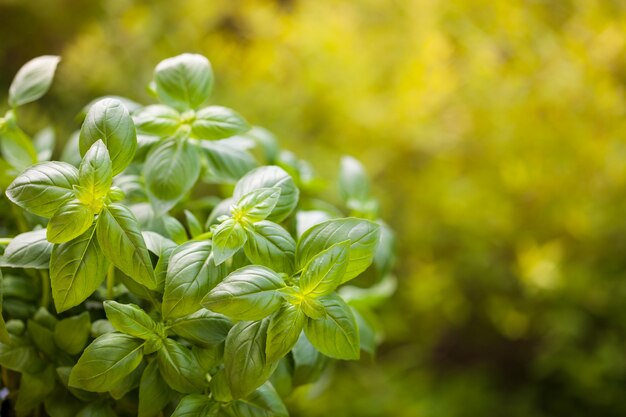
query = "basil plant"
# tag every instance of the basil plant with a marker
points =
(176, 262)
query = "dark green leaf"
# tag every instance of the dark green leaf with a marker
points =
(196, 406)
(154, 393)
(71, 334)
(264, 402)
(34, 389)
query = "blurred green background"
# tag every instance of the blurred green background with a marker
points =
(495, 135)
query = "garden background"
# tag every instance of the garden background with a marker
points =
(495, 134)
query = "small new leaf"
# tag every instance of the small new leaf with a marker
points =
(283, 332)
(325, 271)
(130, 319)
(257, 204)
(228, 238)
(95, 173)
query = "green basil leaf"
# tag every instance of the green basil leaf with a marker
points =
(353, 181)
(363, 235)
(34, 389)
(175, 229)
(257, 204)
(106, 361)
(17, 148)
(191, 273)
(312, 307)
(42, 337)
(110, 121)
(130, 382)
(245, 362)
(266, 141)
(157, 120)
(61, 403)
(384, 257)
(193, 224)
(4, 334)
(77, 268)
(264, 402)
(154, 393)
(33, 80)
(369, 297)
(28, 250)
(226, 163)
(180, 368)
(64, 376)
(97, 409)
(163, 248)
(282, 378)
(220, 391)
(270, 245)
(20, 357)
(184, 81)
(170, 171)
(44, 142)
(308, 362)
(336, 334)
(71, 334)
(306, 219)
(228, 238)
(130, 319)
(216, 122)
(283, 332)
(122, 243)
(202, 328)
(44, 187)
(325, 271)
(196, 406)
(268, 177)
(71, 220)
(249, 293)
(96, 172)
(367, 332)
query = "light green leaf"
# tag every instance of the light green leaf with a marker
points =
(77, 268)
(216, 122)
(34, 389)
(131, 320)
(336, 334)
(184, 81)
(268, 177)
(20, 357)
(17, 148)
(28, 250)
(283, 332)
(44, 187)
(154, 393)
(264, 402)
(122, 243)
(270, 245)
(33, 80)
(228, 238)
(95, 173)
(384, 257)
(363, 235)
(202, 328)
(175, 229)
(196, 406)
(226, 163)
(71, 334)
(170, 171)
(42, 337)
(71, 220)
(257, 204)
(110, 121)
(245, 362)
(193, 224)
(325, 271)
(157, 120)
(353, 181)
(180, 368)
(249, 293)
(44, 142)
(106, 361)
(191, 273)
